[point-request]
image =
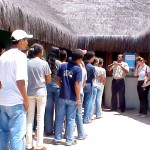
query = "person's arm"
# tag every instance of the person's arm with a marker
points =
(103, 79)
(77, 91)
(148, 76)
(22, 89)
(58, 81)
(109, 67)
(85, 78)
(136, 71)
(93, 74)
(84, 82)
(124, 68)
(48, 78)
(0, 84)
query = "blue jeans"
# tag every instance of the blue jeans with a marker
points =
(52, 98)
(87, 105)
(13, 127)
(97, 100)
(79, 121)
(93, 99)
(65, 108)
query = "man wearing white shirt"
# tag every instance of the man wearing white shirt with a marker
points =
(13, 96)
(120, 69)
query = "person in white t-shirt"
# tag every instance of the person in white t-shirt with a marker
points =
(79, 119)
(141, 71)
(97, 90)
(13, 96)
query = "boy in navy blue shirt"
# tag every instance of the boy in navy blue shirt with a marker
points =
(87, 103)
(69, 78)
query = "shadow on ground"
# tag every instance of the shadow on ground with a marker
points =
(132, 113)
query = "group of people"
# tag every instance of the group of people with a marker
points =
(50, 94)
(47, 94)
(120, 70)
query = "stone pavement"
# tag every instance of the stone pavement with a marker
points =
(114, 131)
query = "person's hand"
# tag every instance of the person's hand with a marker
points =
(119, 64)
(79, 103)
(115, 63)
(137, 65)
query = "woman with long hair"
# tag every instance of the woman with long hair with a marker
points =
(141, 71)
(52, 90)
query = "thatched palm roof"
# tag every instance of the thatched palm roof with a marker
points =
(92, 24)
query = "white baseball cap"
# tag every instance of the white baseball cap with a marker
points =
(20, 34)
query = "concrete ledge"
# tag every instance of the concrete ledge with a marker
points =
(131, 96)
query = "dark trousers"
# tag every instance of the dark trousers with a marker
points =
(118, 87)
(143, 97)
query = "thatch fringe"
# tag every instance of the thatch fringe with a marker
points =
(115, 43)
(13, 17)
(54, 32)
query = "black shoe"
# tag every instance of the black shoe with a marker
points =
(122, 111)
(48, 133)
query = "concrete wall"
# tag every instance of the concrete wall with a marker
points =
(131, 96)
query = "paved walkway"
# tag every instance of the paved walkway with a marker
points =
(115, 131)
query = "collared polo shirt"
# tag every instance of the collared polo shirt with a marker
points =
(118, 72)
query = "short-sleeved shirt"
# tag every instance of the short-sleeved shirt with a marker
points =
(142, 72)
(84, 78)
(96, 81)
(90, 72)
(103, 71)
(13, 67)
(118, 72)
(69, 73)
(37, 69)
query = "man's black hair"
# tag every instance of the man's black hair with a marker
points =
(121, 55)
(89, 55)
(63, 55)
(54, 52)
(13, 41)
(77, 54)
(31, 53)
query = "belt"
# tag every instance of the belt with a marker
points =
(118, 79)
